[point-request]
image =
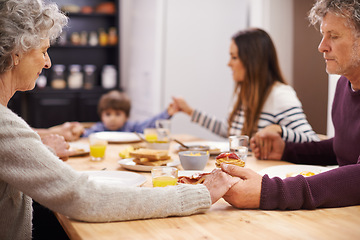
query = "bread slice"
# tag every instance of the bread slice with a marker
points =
(151, 154)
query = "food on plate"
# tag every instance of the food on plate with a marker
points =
(150, 157)
(303, 173)
(229, 158)
(197, 178)
(126, 152)
(151, 162)
(152, 154)
(78, 150)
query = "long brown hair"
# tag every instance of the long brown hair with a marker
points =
(258, 55)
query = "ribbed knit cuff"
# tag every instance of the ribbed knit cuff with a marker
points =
(194, 198)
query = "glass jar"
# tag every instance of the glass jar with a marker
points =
(76, 78)
(58, 76)
(108, 76)
(93, 39)
(103, 37)
(89, 76)
(113, 39)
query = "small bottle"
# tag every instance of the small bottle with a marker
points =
(84, 38)
(103, 37)
(58, 76)
(93, 39)
(108, 76)
(89, 76)
(112, 36)
(75, 38)
(75, 79)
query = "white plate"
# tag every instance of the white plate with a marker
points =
(126, 179)
(222, 146)
(118, 137)
(130, 165)
(79, 149)
(282, 170)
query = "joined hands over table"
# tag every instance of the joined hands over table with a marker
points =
(222, 221)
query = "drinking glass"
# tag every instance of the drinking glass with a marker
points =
(97, 148)
(164, 176)
(163, 127)
(150, 134)
(239, 145)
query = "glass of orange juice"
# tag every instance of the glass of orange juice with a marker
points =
(150, 134)
(97, 147)
(164, 176)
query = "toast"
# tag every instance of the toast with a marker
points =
(150, 154)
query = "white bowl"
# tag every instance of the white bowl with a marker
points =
(193, 160)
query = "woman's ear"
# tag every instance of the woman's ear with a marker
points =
(16, 59)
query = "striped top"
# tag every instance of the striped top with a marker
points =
(282, 107)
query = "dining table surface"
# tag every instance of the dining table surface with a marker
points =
(221, 221)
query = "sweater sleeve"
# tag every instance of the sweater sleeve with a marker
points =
(215, 125)
(314, 153)
(334, 188)
(28, 166)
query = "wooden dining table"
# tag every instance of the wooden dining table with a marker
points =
(221, 221)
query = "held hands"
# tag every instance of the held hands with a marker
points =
(183, 106)
(172, 109)
(70, 130)
(246, 192)
(241, 187)
(218, 183)
(267, 143)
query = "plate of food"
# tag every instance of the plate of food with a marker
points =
(214, 147)
(284, 171)
(192, 177)
(78, 149)
(144, 159)
(118, 137)
(129, 164)
(126, 179)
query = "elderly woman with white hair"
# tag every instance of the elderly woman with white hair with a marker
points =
(29, 170)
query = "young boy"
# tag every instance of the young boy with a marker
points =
(114, 109)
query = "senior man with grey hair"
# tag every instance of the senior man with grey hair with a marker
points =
(340, 45)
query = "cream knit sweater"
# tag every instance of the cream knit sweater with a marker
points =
(29, 171)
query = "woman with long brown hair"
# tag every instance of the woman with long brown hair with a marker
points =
(262, 98)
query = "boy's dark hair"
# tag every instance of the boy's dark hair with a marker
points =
(114, 100)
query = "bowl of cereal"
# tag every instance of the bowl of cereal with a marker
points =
(193, 160)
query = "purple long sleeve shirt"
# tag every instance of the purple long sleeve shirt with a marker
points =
(335, 188)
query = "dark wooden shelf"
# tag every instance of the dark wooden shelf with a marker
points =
(83, 46)
(90, 15)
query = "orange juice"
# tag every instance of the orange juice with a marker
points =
(151, 137)
(164, 181)
(97, 151)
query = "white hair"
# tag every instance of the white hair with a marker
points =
(23, 24)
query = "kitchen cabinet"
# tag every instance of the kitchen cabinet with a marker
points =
(46, 105)
(49, 107)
